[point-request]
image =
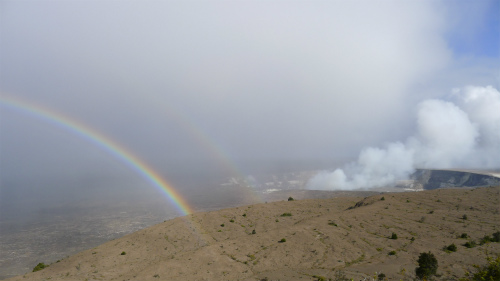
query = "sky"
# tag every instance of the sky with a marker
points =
(195, 88)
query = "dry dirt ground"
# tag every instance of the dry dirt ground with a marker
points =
(323, 237)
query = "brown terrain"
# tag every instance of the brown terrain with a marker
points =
(324, 237)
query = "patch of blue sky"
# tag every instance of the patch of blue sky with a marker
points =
(478, 32)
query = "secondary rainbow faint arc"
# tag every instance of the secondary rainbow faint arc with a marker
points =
(101, 141)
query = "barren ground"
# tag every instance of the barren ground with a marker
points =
(323, 237)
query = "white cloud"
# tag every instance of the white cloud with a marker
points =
(445, 134)
(462, 135)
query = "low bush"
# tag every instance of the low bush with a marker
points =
(487, 238)
(283, 240)
(290, 198)
(392, 253)
(470, 244)
(286, 215)
(123, 253)
(464, 236)
(427, 265)
(496, 237)
(319, 277)
(450, 248)
(39, 266)
(394, 236)
(484, 240)
(490, 271)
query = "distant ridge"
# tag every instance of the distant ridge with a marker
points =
(432, 179)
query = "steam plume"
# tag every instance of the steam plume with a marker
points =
(462, 133)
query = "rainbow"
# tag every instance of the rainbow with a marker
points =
(101, 141)
(209, 145)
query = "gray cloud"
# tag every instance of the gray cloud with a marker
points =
(259, 81)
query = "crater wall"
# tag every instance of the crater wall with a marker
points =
(433, 179)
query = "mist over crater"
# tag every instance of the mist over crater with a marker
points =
(461, 133)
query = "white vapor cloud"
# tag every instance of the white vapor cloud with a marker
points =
(462, 133)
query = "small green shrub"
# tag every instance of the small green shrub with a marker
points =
(222, 225)
(450, 248)
(244, 215)
(464, 217)
(496, 237)
(427, 265)
(253, 231)
(394, 236)
(320, 278)
(464, 236)
(290, 198)
(332, 223)
(491, 271)
(431, 212)
(123, 253)
(231, 220)
(283, 240)
(392, 253)
(381, 277)
(484, 240)
(39, 266)
(383, 198)
(286, 215)
(470, 244)
(412, 239)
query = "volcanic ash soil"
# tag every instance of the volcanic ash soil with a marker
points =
(301, 240)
